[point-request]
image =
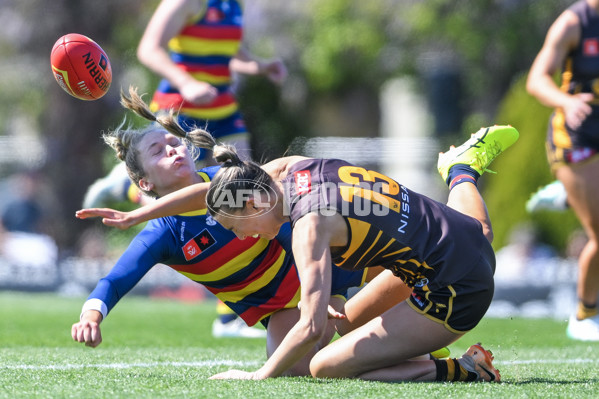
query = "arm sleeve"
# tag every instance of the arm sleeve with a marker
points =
(147, 249)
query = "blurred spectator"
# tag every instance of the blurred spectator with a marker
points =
(93, 245)
(525, 260)
(23, 213)
(24, 240)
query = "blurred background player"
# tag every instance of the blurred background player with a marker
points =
(196, 47)
(572, 45)
(552, 197)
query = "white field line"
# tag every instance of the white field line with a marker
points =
(69, 366)
(235, 363)
(545, 361)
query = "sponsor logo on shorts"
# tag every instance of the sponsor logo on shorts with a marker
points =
(418, 299)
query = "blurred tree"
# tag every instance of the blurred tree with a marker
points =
(524, 169)
(488, 41)
(69, 128)
(350, 48)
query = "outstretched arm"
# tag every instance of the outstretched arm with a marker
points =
(187, 199)
(137, 260)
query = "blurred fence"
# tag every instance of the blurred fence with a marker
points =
(546, 288)
(29, 262)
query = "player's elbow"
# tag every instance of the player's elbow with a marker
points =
(142, 54)
(146, 53)
(531, 86)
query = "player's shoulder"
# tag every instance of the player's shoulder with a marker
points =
(568, 23)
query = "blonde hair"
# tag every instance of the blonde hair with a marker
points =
(125, 141)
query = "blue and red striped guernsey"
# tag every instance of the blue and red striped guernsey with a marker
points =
(204, 49)
(254, 277)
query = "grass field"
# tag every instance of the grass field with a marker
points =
(164, 349)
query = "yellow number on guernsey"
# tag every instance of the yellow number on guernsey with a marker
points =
(350, 175)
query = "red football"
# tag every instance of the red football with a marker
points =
(81, 67)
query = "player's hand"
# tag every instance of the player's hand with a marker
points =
(331, 312)
(110, 217)
(198, 93)
(578, 109)
(275, 71)
(236, 375)
(87, 331)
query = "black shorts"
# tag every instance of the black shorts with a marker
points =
(459, 306)
(564, 145)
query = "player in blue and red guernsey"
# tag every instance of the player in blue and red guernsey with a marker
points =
(256, 277)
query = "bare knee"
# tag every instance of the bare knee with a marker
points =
(319, 367)
(322, 366)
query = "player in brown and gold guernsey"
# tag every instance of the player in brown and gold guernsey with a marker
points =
(342, 214)
(572, 45)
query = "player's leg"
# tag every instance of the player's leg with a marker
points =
(466, 163)
(466, 199)
(578, 179)
(283, 320)
(381, 349)
(382, 292)
(379, 295)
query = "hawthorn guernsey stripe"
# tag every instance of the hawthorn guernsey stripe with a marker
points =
(204, 48)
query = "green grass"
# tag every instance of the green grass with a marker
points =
(164, 349)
